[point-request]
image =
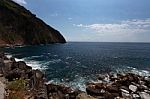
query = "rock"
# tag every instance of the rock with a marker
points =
(113, 77)
(95, 89)
(21, 65)
(125, 88)
(16, 27)
(84, 96)
(61, 91)
(147, 79)
(101, 77)
(12, 59)
(142, 87)
(29, 67)
(126, 95)
(108, 95)
(1, 75)
(38, 74)
(112, 89)
(2, 54)
(133, 88)
(56, 95)
(16, 73)
(135, 96)
(144, 95)
(8, 65)
(124, 91)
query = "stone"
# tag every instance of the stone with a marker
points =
(124, 91)
(133, 88)
(22, 65)
(95, 89)
(1, 75)
(108, 95)
(12, 59)
(91, 90)
(126, 95)
(2, 54)
(101, 77)
(135, 96)
(39, 74)
(144, 95)
(84, 96)
(8, 65)
(16, 73)
(112, 89)
(125, 88)
(147, 79)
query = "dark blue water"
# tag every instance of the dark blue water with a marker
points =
(71, 61)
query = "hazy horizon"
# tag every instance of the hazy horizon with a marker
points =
(96, 20)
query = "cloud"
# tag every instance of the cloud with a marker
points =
(128, 26)
(136, 30)
(20, 1)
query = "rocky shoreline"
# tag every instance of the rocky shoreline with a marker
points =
(22, 82)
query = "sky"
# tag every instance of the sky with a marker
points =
(95, 20)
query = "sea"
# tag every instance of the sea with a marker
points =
(76, 63)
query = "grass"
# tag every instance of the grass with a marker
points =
(17, 89)
(17, 85)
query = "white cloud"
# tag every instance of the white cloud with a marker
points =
(128, 26)
(20, 1)
(136, 30)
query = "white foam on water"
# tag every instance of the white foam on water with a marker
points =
(53, 61)
(34, 64)
(78, 83)
(68, 57)
(17, 59)
(8, 55)
(135, 71)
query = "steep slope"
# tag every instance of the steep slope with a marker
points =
(19, 26)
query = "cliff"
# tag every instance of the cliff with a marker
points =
(18, 26)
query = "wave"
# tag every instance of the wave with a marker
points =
(78, 83)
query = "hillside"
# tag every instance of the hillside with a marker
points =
(18, 26)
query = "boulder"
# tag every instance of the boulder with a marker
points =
(95, 89)
(16, 73)
(84, 96)
(112, 89)
(124, 91)
(135, 96)
(108, 95)
(38, 74)
(2, 55)
(144, 95)
(21, 65)
(133, 88)
(12, 59)
(126, 95)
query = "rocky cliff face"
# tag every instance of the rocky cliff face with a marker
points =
(18, 26)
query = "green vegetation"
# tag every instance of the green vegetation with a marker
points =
(19, 26)
(17, 85)
(16, 88)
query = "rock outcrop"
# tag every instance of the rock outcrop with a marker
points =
(18, 26)
(35, 86)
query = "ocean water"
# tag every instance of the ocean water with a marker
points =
(76, 63)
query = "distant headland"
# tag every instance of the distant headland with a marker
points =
(18, 26)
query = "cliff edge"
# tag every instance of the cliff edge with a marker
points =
(18, 26)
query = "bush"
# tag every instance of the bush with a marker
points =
(17, 85)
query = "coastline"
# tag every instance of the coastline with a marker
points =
(109, 86)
